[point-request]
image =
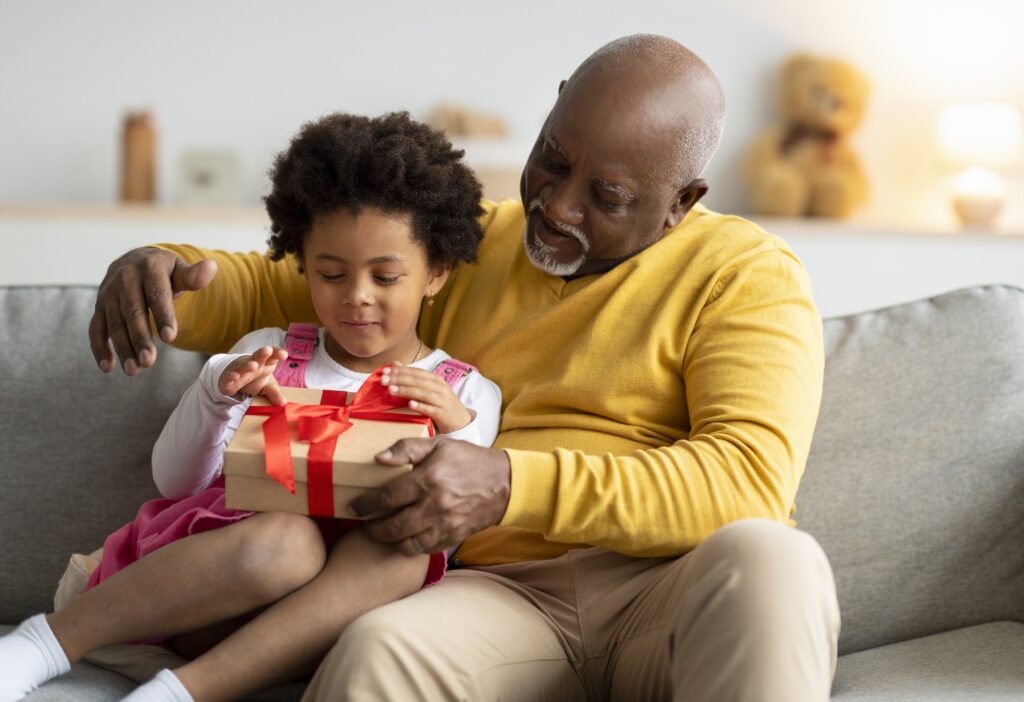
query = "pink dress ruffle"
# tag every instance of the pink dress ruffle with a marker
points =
(163, 521)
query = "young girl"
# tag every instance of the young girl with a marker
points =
(376, 212)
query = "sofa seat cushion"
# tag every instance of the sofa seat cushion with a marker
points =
(984, 662)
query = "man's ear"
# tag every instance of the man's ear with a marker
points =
(684, 201)
(560, 86)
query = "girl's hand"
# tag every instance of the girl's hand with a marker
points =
(254, 375)
(428, 394)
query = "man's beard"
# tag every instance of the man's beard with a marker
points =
(543, 256)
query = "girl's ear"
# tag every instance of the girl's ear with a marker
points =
(438, 277)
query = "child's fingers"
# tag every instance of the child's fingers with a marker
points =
(413, 377)
(425, 394)
(447, 418)
(229, 384)
(245, 370)
(432, 411)
(235, 377)
(272, 391)
(269, 355)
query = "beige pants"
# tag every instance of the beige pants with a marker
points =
(750, 614)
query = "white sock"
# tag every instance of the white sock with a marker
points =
(164, 687)
(29, 656)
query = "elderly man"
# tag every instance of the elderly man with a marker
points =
(626, 537)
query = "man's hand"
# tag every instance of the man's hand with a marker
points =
(142, 280)
(454, 490)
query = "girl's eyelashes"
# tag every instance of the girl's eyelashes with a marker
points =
(380, 278)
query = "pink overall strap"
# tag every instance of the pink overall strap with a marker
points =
(300, 342)
(454, 372)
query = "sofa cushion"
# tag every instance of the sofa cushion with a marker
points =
(983, 662)
(90, 473)
(915, 482)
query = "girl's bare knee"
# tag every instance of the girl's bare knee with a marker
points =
(279, 552)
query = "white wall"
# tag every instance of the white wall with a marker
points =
(243, 74)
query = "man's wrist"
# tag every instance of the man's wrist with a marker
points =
(504, 490)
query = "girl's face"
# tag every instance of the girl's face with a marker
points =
(367, 277)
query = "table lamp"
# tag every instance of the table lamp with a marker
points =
(980, 139)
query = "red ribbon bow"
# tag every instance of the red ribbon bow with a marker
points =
(320, 426)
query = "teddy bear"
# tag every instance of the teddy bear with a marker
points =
(806, 166)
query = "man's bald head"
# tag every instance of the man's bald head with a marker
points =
(673, 94)
(617, 163)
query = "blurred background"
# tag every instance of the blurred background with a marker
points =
(225, 85)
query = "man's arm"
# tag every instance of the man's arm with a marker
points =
(239, 293)
(242, 292)
(753, 372)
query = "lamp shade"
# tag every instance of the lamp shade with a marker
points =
(981, 134)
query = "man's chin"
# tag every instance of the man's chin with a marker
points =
(548, 258)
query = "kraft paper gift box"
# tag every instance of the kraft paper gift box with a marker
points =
(309, 448)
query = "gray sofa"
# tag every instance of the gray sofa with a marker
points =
(914, 488)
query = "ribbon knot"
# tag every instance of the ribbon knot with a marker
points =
(312, 428)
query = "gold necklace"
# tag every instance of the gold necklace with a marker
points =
(417, 356)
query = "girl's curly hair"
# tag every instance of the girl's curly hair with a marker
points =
(392, 163)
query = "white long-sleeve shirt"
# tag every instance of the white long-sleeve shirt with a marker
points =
(189, 454)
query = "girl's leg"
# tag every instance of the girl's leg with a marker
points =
(194, 582)
(288, 640)
(193, 644)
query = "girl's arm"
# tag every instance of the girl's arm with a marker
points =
(483, 399)
(189, 454)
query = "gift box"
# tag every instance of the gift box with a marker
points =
(315, 454)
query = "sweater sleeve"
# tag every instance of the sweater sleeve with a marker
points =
(752, 369)
(249, 292)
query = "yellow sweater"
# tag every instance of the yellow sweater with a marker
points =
(644, 407)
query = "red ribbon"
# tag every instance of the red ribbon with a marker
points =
(320, 426)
